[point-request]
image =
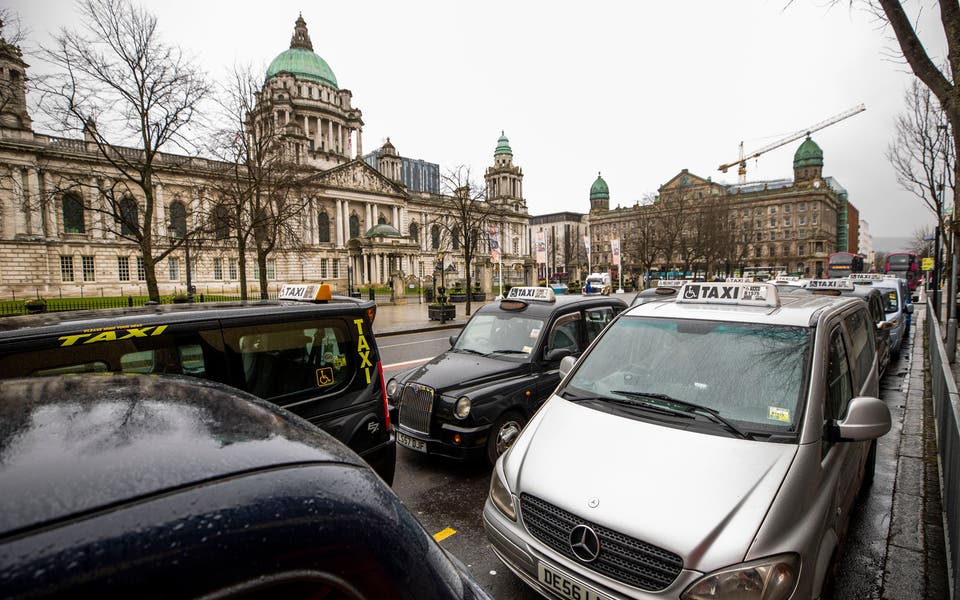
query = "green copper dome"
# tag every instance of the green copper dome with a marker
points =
(383, 230)
(808, 154)
(503, 145)
(301, 61)
(599, 189)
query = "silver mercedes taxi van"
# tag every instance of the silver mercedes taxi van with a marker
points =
(710, 447)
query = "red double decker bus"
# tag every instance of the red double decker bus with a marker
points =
(905, 266)
(842, 264)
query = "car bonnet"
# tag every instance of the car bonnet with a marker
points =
(698, 495)
(70, 445)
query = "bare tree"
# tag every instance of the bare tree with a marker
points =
(922, 154)
(463, 217)
(259, 205)
(921, 243)
(121, 85)
(640, 241)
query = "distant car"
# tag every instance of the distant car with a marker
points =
(899, 309)
(137, 486)
(876, 304)
(310, 352)
(665, 290)
(471, 401)
(709, 447)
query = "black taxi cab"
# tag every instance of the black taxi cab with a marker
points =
(471, 401)
(309, 352)
(170, 486)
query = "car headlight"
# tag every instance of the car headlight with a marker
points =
(501, 496)
(462, 408)
(392, 388)
(772, 578)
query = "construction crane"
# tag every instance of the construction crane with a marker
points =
(742, 161)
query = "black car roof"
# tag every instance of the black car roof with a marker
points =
(74, 444)
(545, 309)
(91, 319)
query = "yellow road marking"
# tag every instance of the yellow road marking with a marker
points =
(444, 534)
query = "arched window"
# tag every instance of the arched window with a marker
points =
(381, 220)
(178, 218)
(414, 232)
(456, 238)
(129, 218)
(73, 213)
(354, 226)
(435, 237)
(221, 222)
(323, 227)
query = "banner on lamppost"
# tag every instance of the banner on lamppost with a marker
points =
(541, 248)
(492, 235)
(615, 250)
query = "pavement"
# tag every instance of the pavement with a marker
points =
(898, 549)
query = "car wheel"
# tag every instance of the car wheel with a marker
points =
(503, 433)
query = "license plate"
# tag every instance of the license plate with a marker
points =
(566, 587)
(412, 443)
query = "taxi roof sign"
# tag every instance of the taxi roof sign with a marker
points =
(305, 292)
(538, 294)
(842, 284)
(745, 294)
(672, 283)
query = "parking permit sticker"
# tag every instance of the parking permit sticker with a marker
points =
(775, 413)
(535, 333)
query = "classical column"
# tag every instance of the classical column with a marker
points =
(396, 218)
(359, 142)
(32, 195)
(338, 221)
(52, 229)
(346, 221)
(159, 211)
(20, 200)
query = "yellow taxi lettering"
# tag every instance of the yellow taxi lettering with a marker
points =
(136, 332)
(69, 340)
(367, 372)
(106, 336)
(362, 344)
(159, 330)
(359, 324)
(365, 359)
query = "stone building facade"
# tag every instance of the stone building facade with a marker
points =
(360, 225)
(696, 224)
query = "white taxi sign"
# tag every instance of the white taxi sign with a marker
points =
(539, 294)
(739, 280)
(842, 284)
(747, 294)
(868, 276)
(304, 292)
(672, 283)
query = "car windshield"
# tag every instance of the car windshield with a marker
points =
(500, 335)
(750, 374)
(890, 300)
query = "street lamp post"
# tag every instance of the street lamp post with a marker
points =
(442, 291)
(172, 230)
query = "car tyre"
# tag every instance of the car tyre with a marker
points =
(503, 433)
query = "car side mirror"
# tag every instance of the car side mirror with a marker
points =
(566, 365)
(867, 419)
(453, 339)
(884, 325)
(557, 354)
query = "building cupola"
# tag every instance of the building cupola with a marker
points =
(808, 162)
(599, 194)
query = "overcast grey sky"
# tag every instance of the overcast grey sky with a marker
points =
(634, 90)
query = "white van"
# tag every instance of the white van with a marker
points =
(596, 284)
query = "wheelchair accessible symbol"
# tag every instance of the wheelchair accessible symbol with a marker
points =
(324, 376)
(691, 292)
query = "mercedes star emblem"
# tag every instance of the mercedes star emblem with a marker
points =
(584, 543)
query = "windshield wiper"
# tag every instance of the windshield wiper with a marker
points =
(472, 351)
(507, 351)
(710, 413)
